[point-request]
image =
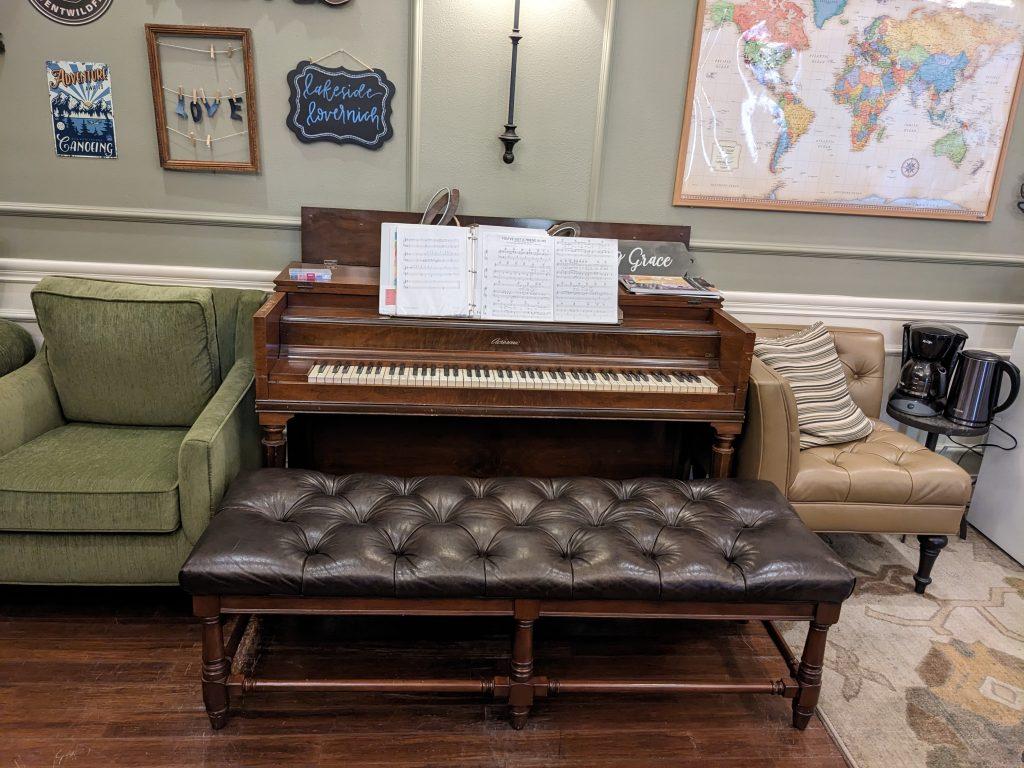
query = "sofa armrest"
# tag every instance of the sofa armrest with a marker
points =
(16, 347)
(28, 404)
(770, 446)
(223, 441)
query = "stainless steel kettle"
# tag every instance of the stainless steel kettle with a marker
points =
(974, 387)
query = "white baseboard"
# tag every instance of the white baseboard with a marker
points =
(990, 325)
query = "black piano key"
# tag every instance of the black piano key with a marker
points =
(391, 371)
(561, 375)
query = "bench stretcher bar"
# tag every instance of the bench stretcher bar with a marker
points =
(229, 666)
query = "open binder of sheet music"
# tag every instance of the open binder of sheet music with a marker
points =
(497, 273)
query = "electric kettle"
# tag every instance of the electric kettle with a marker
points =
(974, 387)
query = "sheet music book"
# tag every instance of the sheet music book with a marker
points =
(497, 273)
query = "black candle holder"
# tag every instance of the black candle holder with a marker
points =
(509, 138)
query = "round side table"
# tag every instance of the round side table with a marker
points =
(935, 426)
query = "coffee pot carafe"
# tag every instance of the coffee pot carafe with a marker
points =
(974, 389)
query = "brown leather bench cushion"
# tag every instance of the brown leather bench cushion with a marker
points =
(296, 532)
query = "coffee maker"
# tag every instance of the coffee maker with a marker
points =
(929, 351)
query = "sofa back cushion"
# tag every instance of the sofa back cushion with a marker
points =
(123, 353)
(808, 361)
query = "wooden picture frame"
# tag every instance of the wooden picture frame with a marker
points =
(705, 200)
(154, 34)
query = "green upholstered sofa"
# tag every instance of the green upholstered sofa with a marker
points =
(118, 439)
(16, 347)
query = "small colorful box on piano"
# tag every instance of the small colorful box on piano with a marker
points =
(309, 274)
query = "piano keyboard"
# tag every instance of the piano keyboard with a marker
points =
(448, 377)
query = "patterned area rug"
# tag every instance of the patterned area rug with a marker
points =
(935, 681)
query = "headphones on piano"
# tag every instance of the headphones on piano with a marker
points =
(446, 198)
(444, 204)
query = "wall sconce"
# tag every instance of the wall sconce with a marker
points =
(509, 138)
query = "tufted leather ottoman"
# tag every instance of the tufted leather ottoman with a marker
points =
(292, 541)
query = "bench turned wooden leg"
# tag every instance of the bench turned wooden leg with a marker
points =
(521, 668)
(216, 665)
(812, 661)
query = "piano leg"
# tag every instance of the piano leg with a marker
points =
(722, 450)
(273, 438)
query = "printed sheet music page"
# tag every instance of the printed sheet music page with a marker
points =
(586, 280)
(433, 271)
(514, 274)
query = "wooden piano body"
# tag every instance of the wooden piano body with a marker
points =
(617, 404)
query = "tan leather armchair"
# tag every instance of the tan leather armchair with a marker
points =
(884, 483)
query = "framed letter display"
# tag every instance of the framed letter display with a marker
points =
(902, 108)
(204, 98)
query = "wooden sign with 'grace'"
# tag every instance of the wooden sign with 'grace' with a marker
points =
(340, 105)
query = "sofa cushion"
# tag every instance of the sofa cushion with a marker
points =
(92, 478)
(808, 361)
(120, 353)
(886, 467)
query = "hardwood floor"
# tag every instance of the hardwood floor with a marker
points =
(111, 678)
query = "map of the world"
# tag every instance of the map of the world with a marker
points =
(892, 107)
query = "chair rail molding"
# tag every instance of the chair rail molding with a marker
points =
(990, 325)
(266, 221)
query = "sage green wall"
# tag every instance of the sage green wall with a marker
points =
(461, 105)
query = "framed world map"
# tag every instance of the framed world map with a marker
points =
(872, 107)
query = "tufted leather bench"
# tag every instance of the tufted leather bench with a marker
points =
(293, 541)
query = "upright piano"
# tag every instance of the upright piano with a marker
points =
(342, 388)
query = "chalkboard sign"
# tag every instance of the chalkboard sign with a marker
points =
(339, 105)
(645, 257)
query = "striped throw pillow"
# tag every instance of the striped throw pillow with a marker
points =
(808, 361)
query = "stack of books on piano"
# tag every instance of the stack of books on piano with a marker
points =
(670, 285)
